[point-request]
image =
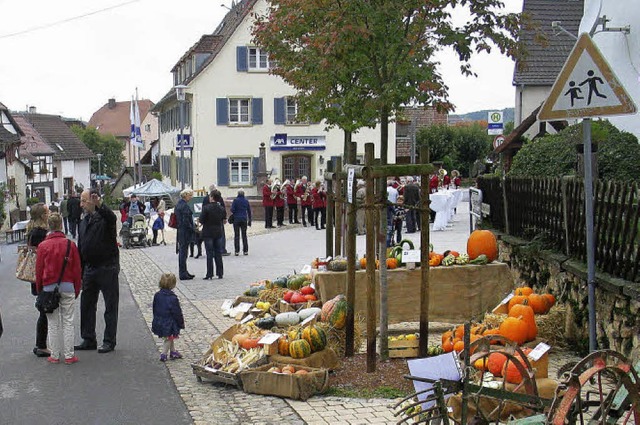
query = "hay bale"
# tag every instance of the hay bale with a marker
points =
(493, 320)
(336, 337)
(272, 295)
(551, 326)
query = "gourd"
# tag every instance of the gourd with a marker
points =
(449, 260)
(327, 308)
(335, 311)
(480, 260)
(539, 304)
(316, 337)
(462, 259)
(283, 346)
(295, 282)
(515, 329)
(526, 313)
(338, 264)
(299, 349)
(250, 343)
(266, 323)
(287, 319)
(297, 298)
(305, 313)
(307, 290)
(482, 242)
(392, 263)
(239, 339)
(255, 290)
(310, 297)
(280, 281)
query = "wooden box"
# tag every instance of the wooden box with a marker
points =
(541, 366)
(404, 348)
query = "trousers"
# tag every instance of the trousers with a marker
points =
(61, 328)
(95, 280)
(214, 248)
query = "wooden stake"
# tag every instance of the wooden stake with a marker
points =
(330, 209)
(338, 188)
(350, 248)
(424, 257)
(370, 218)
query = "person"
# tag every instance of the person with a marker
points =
(433, 188)
(241, 210)
(306, 201)
(446, 179)
(455, 176)
(292, 202)
(158, 224)
(98, 246)
(392, 197)
(123, 210)
(212, 218)
(75, 212)
(399, 213)
(64, 212)
(205, 201)
(161, 206)
(361, 193)
(278, 202)
(318, 195)
(37, 229)
(133, 207)
(267, 203)
(412, 199)
(186, 231)
(167, 316)
(196, 242)
(53, 208)
(52, 272)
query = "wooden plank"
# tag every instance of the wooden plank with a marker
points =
(629, 231)
(612, 266)
(602, 237)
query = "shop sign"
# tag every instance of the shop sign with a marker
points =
(284, 142)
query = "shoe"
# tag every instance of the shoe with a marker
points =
(106, 348)
(86, 345)
(192, 275)
(71, 360)
(188, 277)
(219, 277)
(226, 254)
(197, 256)
(175, 355)
(163, 357)
(207, 278)
(53, 360)
(305, 225)
(191, 256)
(237, 253)
(41, 352)
(246, 253)
(296, 222)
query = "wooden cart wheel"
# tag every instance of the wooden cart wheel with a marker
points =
(603, 388)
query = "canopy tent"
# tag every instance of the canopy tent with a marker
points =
(151, 188)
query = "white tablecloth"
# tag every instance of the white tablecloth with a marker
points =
(444, 204)
(20, 225)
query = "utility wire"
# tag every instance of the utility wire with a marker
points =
(64, 21)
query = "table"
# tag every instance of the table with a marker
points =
(457, 293)
(444, 204)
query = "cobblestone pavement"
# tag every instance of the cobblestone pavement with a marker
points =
(271, 254)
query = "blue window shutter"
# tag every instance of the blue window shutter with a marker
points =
(222, 111)
(223, 171)
(241, 59)
(254, 171)
(334, 160)
(256, 110)
(279, 116)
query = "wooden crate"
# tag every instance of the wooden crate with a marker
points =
(403, 348)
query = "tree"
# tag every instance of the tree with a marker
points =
(105, 144)
(439, 138)
(471, 143)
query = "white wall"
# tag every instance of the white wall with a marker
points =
(82, 172)
(622, 51)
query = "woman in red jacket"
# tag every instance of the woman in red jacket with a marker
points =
(319, 197)
(49, 263)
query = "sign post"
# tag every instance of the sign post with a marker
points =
(587, 87)
(495, 126)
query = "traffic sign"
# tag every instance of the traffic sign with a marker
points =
(494, 123)
(497, 141)
(586, 87)
(186, 142)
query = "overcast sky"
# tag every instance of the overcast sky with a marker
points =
(68, 57)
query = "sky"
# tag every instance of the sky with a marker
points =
(68, 57)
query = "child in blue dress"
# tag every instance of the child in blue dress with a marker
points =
(167, 316)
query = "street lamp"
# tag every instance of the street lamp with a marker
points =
(180, 95)
(99, 155)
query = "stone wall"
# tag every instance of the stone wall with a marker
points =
(617, 300)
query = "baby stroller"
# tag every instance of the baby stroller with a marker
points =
(135, 234)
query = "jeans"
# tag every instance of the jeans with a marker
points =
(183, 249)
(214, 248)
(293, 213)
(61, 327)
(95, 280)
(65, 220)
(396, 228)
(268, 217)
(240, 227)
(411, 220)
(73, 224)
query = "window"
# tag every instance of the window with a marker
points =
(240, 171)
(147, 127)
(239, 111)
(258, 59)
(291, 108)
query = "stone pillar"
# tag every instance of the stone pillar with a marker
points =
(261, 176)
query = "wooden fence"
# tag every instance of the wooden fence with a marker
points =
(554, 210)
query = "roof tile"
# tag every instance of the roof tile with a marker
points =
(116, 120)
(53, 130)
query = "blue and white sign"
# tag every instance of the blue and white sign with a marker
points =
(495, 125)
(283, 142)
(186, 142)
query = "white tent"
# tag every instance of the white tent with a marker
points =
(152, 188)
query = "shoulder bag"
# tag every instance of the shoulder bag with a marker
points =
(48, 301)
(26, 264)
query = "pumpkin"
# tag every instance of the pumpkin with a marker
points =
(297, 298)
(447, 345)
(310, 297)
(481, 364)
(495, 363)
(392, 263)
(459, 332)
(449, 260)
(287, 296)
(447, 335)
(283, 346)
(551, 300)
(255, 290)
(334, 311)
(517, 299)
(239, 339)
(301, 372)
(287, 372)
(299, 349)
(435, 259)
(523, 290)
(266, 323)
(307, 290)
(250, 343)
(458, 346)
(287, 319)
(274, 369)
(510, 371)
(539, 304)
(280, 282)
(316, 337)
(294, 334)
(526, 313)
(515, 329)
(462, 259)
(296, 282)
(482, 242)
(289, 368)
(490, 332)
(363, 263)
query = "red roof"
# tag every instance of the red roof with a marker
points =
(113, 118)
(32, 142)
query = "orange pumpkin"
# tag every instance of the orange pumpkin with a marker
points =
(392, 263)
(459, 332)
(250, 343)
(310, 297)
(551, 300)
(489, 332)
(539, 304)
(458, 346)
(517, 299)
(482, 242)
(447, 335)
(481, 364)
(363, 263)
(239, 339)
(495, 363)
(526, 313)
(515, 329)
(283, 346)
(510, 372)
(447, 345)
(289, 368)
(523, 290)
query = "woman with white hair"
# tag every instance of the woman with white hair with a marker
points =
(186, 232)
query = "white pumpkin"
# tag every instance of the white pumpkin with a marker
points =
(287, 319)
(305, 313)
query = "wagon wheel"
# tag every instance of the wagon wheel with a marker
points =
(603, 388)
(506, 396)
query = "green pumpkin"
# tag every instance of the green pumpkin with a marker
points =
(255, 290)
(299, 349)
(462, 259)
(338, 317)
(316, 337)
(296, 282)
(280, 281)
(449, 260)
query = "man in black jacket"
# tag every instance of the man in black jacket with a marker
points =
(100, 267)
(412, 198)
(75, 211)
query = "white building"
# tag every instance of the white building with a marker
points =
(233, 106)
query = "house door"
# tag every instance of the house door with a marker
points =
(68, 185)
(296, 166)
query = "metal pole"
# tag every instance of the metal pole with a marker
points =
(588, 214)
(181, 144)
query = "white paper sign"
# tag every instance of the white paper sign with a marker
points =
(269, 338)
(227, 304)
(350, 177)
(247, 318)
(506, 299)
(539, 351)
(243, 307)
(308, 320)
(306, 269)
(410, 255)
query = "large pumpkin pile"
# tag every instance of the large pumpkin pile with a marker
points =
(482, 248)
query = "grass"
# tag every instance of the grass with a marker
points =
(380, 392)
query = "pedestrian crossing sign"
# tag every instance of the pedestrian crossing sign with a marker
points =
(586, 87)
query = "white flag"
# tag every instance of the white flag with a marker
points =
(134, 115)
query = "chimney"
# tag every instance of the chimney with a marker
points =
(112, 103)
(32, 109)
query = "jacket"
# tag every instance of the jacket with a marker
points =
(266, 196)
(291, 196)
(318, 198)
(279, 201)
(36, 236)
(411, 194)
(49, 262)
(212, 219)
(73, 206)
(97, 241)
(303, 190)
(167, 314)
(127, 207)
(241, 209)
(185, 217)
(64, 209)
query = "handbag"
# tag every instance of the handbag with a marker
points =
(173, 220)
(26, 264)
(230, 219)
(49, 301)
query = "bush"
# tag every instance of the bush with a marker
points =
(32, 201)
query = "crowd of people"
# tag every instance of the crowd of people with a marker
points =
(312, 199)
